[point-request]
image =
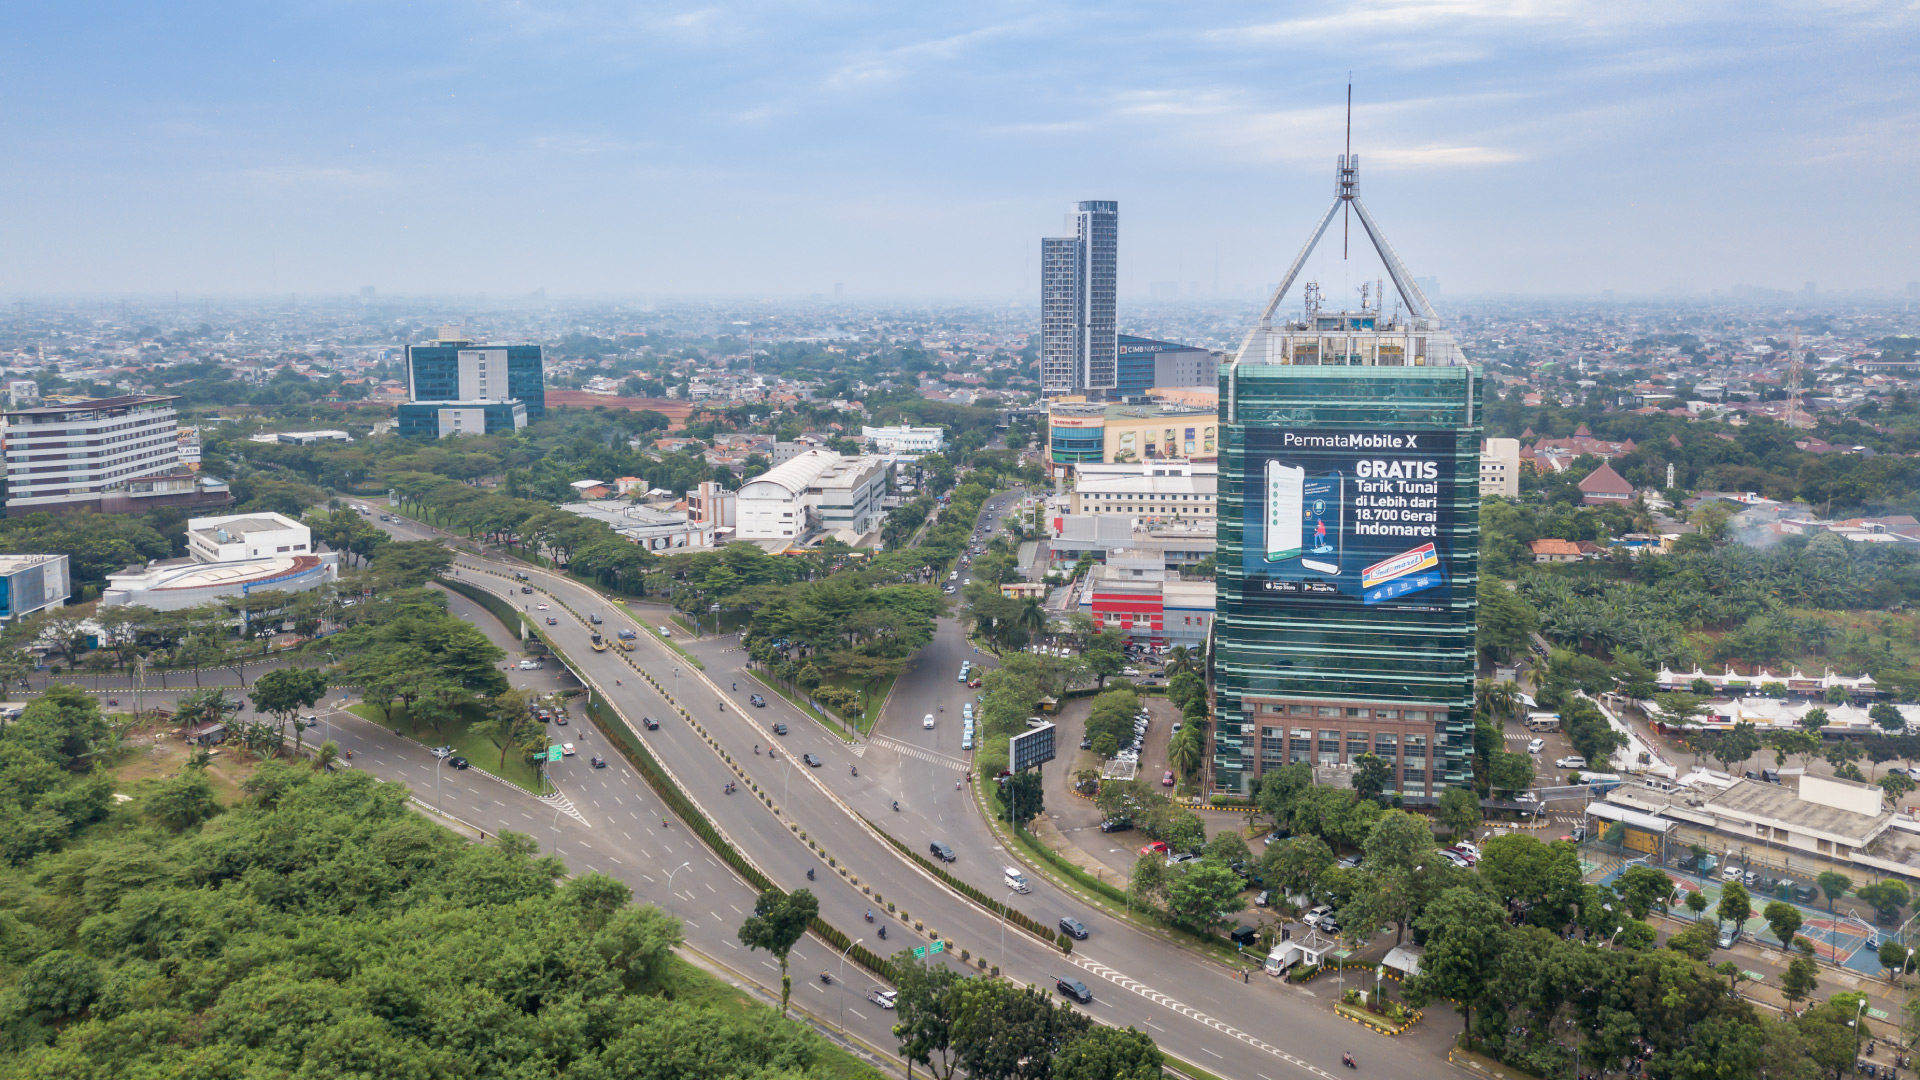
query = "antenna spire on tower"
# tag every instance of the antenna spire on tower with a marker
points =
(1346, 216)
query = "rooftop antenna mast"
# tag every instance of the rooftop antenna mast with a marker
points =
(1346, 215)
(1346, 197)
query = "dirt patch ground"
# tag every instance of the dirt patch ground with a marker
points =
(158, 755)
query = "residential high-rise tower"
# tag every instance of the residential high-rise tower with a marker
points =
(1079, 278)
(1349, 518)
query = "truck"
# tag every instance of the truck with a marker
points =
(625, 641)
(599, 643)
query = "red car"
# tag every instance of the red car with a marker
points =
(1167, 780)
(1158, 847)
(974, 685)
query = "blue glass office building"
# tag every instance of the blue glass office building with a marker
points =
(1146, 363)
(463, 371)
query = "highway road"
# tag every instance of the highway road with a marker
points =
(1261, 1029)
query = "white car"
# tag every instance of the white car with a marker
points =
(1317, 916)
(540, 607)
(1536, 746)
(566, 749)
(1571, 761)
(927, 721)
(664, 632)
(442, 751)
(529, 665)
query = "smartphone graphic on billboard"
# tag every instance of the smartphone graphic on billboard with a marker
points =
(1286, 487)
(1322, 538)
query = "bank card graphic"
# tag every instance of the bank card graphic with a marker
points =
(1286, 491)
(1408, 572)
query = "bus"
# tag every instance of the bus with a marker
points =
(1543, 721)
(1601, 782)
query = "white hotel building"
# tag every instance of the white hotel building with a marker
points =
(115, 455)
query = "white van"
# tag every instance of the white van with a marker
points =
(1016, 880)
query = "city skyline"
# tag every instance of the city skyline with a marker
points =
(746, 150)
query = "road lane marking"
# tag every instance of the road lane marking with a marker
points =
(1191, 1013)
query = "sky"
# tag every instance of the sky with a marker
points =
(920, 150)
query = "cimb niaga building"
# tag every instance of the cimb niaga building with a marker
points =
(458, 388)
(1349, 520)
(1079, 277)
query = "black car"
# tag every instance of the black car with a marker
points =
(1118, 824)
(1074, 989)
(457, 762)
(811, 761)
(1086, 743)
(560, 718)
(779, 729)
(1074, 928)
(599, 762)
(650, 723)
(1244, 935)
(757, 701)
(526, 589)
(942, 851)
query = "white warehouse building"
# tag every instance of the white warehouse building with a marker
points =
(815, 490)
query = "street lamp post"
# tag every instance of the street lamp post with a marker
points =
(439, 796)
(1857, 1026)
(670, 874)
(1617, 931)
(843, 978)
(554, 828)
(785, 780)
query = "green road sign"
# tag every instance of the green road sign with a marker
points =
(919, 952)
(553, 753)
(1877, 1014)
(937, 947)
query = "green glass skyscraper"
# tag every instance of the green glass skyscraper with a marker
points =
(1349, 517)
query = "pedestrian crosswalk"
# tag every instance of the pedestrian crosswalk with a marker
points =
(932, 756)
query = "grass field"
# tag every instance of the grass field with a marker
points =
(479, 751)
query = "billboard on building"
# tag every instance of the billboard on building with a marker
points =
(1348, 518)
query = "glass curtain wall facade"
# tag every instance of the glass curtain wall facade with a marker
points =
(434, 374)
(1079, 283)
(1331, 642)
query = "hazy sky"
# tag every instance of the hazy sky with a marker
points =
(920, 149)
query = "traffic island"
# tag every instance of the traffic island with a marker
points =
(1380, 1014)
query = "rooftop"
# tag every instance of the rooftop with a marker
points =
(121, 402)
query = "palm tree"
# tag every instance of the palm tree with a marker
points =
(1032, 617)
(1181, 660)
(324, 758)
(1185, 750)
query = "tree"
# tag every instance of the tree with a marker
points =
(1106, 1053)
(1228, 846)
(61, 983)
(1022, 798)
(1895, 959)
(1887, 718)
(1835, 885)
(1642, 888)
(923, 1013)
(1205, 893)
(1697, 901)
(1296, 864)
(1186, 750)
(1103, 659)
(181, 802)
(286, 692)
(1007, 1032)
(1886, 897)
(1736, 906)
(1147, 885)
(1897, 786)
(1510, 773)
(1371, 776)
(1783, 919)
(1813, 720)
(1459, 811)
(780, 920)
(1466, 934)
(1800, 980)
(1736, 745)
